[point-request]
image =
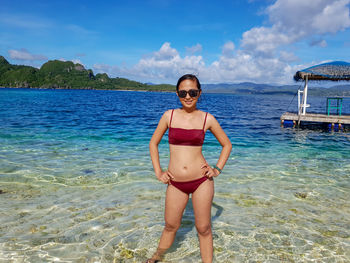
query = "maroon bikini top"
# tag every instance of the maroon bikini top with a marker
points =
(189, 137)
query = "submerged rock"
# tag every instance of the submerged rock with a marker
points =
(300, 195)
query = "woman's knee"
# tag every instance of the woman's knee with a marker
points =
(204, 229)
(171, 227)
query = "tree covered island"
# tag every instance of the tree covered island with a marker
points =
(58, 74)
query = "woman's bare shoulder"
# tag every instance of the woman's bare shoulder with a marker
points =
(167, 111)
(209, 115)
(166, 115)
(211, 120)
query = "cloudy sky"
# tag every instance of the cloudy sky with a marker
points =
(263, 41)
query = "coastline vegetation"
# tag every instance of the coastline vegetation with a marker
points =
(56, 74)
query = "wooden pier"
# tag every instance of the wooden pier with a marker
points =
(315, 118)
(331, 71)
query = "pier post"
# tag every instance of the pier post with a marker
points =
(304, 101)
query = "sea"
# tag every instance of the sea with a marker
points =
(77, 183)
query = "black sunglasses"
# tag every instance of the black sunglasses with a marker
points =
(192, 92)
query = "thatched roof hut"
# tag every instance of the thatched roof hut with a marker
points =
(334, 71)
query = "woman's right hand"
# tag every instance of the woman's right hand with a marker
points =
(165, 177)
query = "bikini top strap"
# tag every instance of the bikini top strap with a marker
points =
(171, 118)
(205, 120)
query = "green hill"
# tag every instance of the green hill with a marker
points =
(66, 75)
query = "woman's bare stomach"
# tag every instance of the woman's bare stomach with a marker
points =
(186, 163)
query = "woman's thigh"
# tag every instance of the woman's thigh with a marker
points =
(202, 200)
(175, 204)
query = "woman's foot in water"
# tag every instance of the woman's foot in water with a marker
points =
(157, 256)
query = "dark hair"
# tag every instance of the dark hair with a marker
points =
(190, 77)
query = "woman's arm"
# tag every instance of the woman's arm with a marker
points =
(153, 148)
(221, 136)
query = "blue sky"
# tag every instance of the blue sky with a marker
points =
(263, 41)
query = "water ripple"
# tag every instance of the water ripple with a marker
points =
(77, 184)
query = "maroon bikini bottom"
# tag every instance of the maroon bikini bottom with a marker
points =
(189, 187)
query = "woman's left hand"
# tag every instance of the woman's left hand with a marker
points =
(208, 171)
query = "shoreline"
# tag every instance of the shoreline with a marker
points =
(204, 91)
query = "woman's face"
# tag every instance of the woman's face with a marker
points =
(188, 87)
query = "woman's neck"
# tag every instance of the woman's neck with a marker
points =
(189, 110)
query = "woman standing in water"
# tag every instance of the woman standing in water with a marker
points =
(188, 172)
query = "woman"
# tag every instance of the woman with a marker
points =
(188, 172)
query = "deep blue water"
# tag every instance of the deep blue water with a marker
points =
(82, 156)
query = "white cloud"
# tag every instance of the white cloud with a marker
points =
(165, 53)
(288, 56)
(295, 20)
(78, 61)
(264, 54)
(310, 17)
(333, 18)
(228, 68)
(24, 54)
(102, 68)
(194, 49)
(228, 49)
(166, 64)
(264, 41)
(246, 67)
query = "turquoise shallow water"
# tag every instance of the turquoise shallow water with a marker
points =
(77, 181)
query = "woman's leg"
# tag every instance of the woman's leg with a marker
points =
(175, 204)
(202, 200)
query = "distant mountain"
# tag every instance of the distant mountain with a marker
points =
(240, 88)
(66, 75)
(253, 88)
